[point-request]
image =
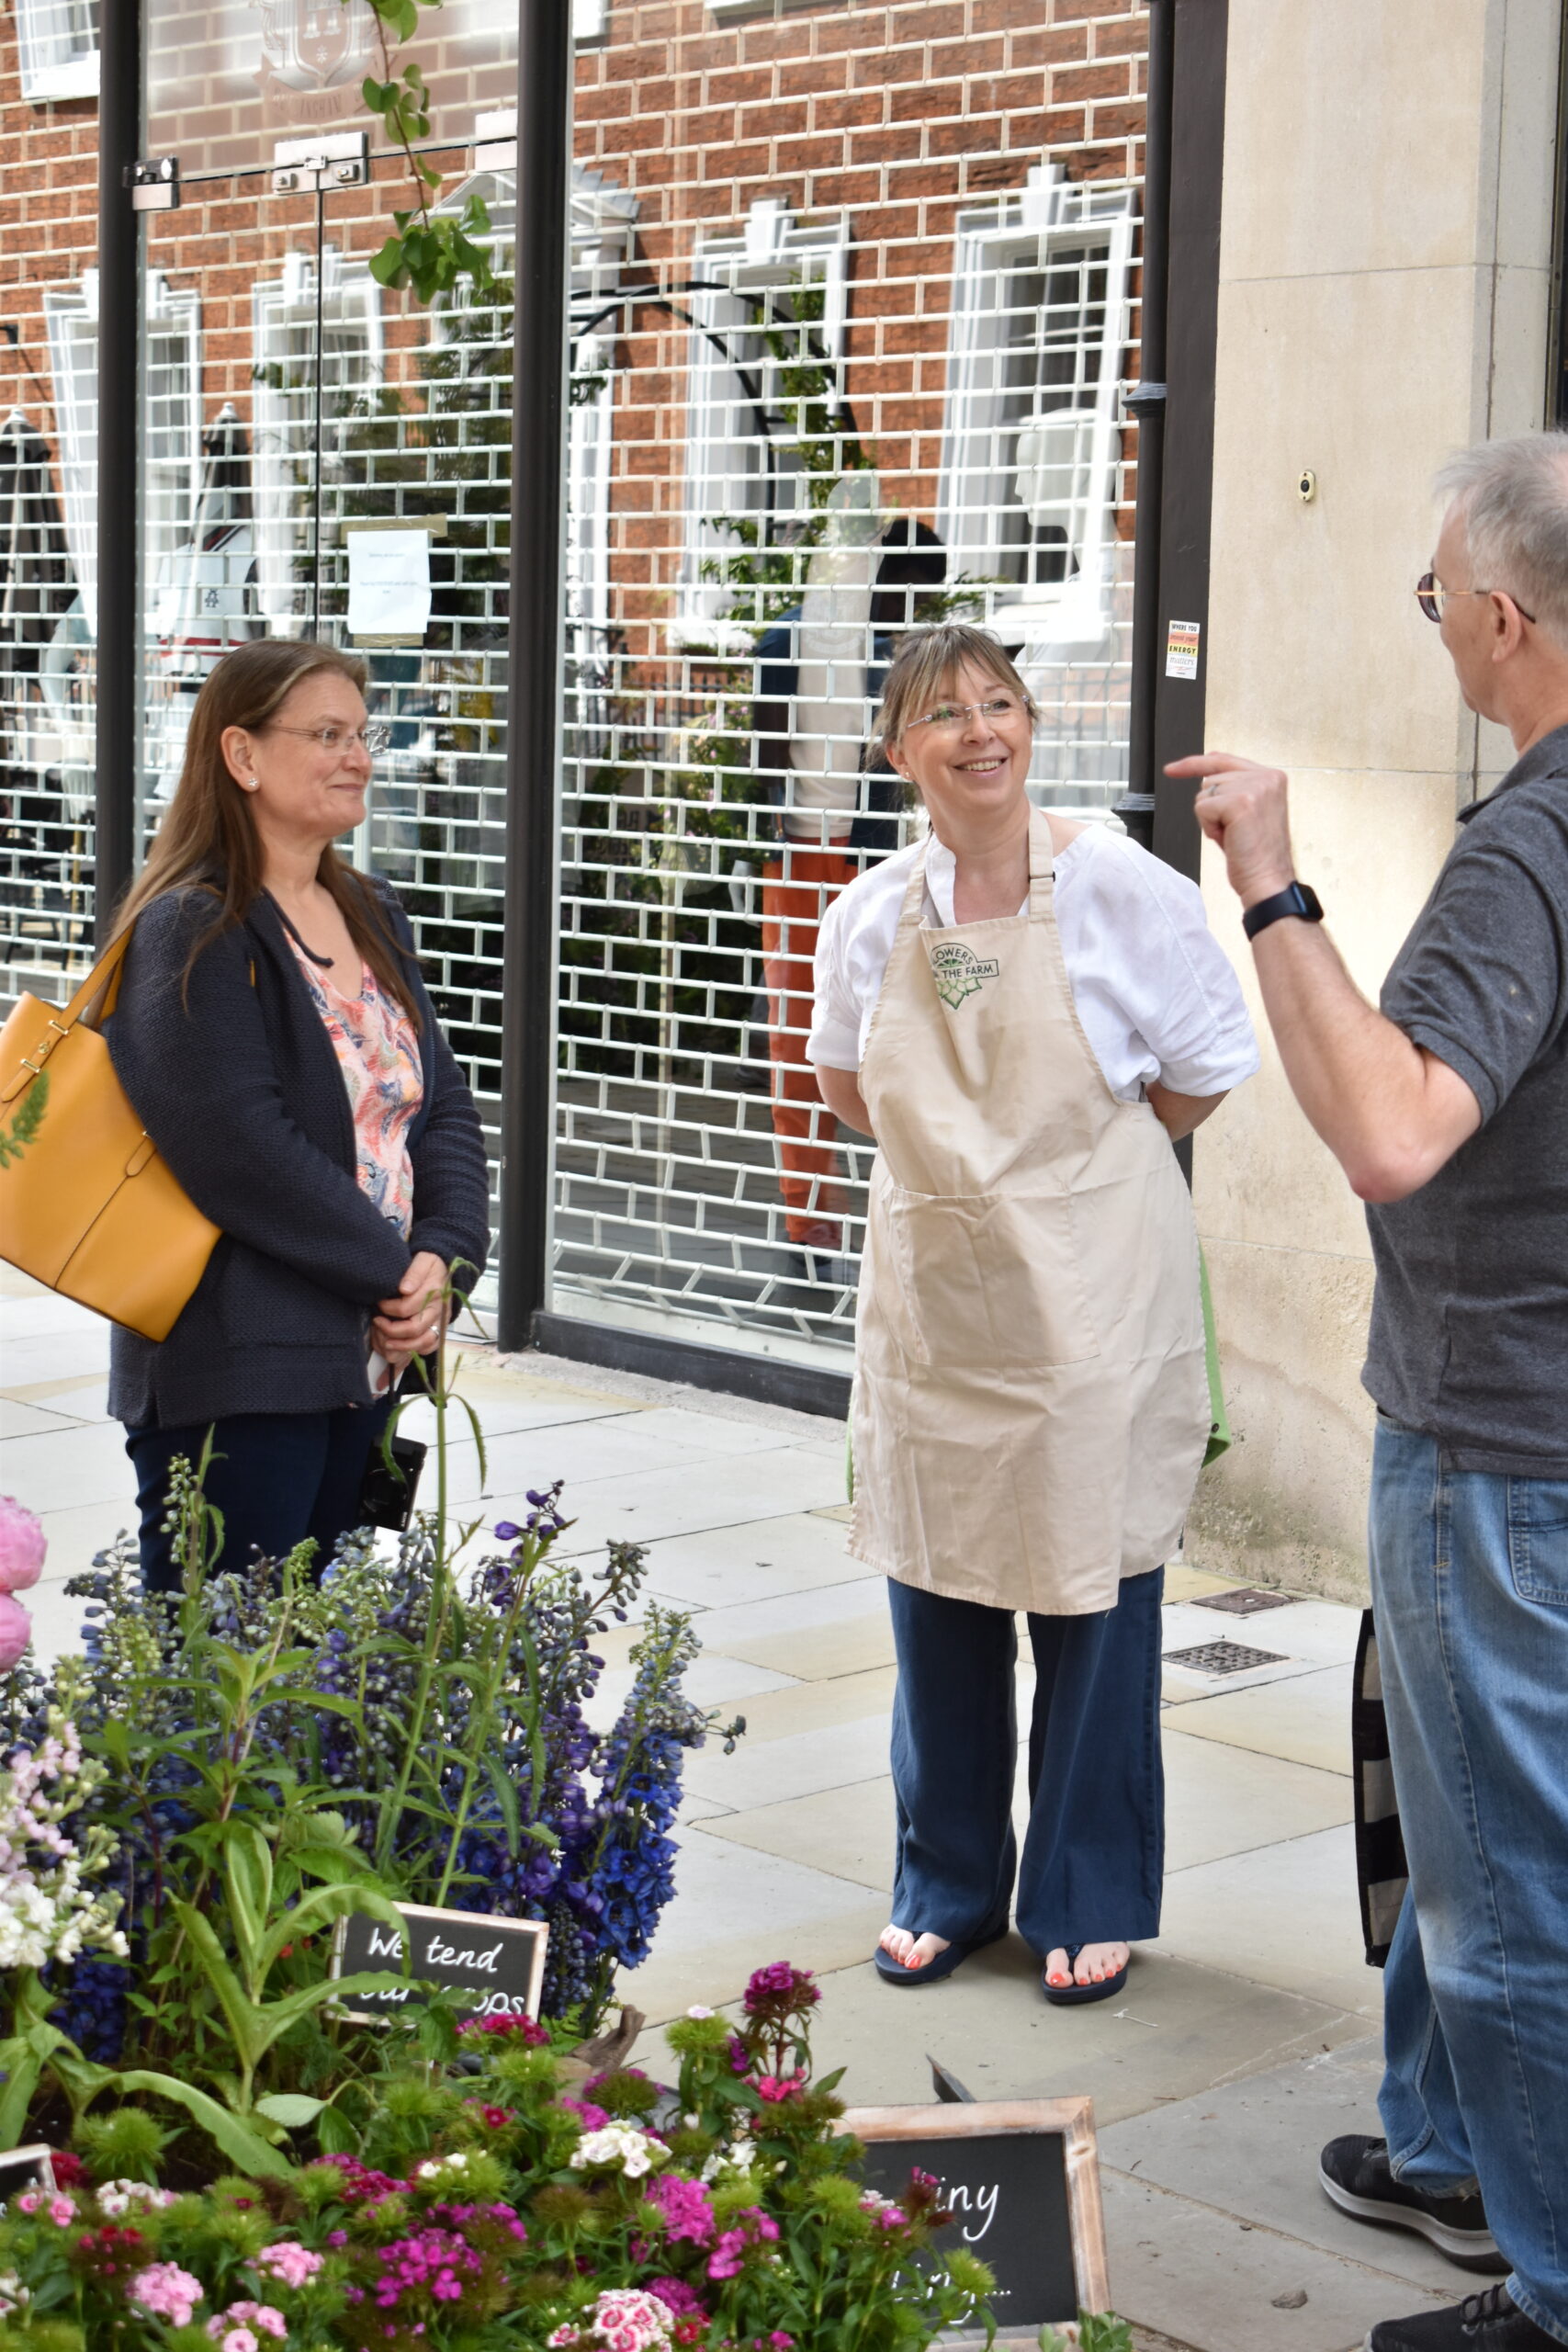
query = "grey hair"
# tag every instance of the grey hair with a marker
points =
(1512, 497)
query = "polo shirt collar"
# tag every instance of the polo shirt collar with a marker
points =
(1549, 757)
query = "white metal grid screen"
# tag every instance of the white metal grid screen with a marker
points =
(815, 398)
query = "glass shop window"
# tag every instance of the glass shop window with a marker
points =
(764, 410)
(57, 43)
(1032, 449)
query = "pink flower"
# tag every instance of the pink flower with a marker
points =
(685, 2207)
(755, 2229)
(591, 2117)
(775, 2088)
(677, 2297)
(165, 2292)
(16, 1631)
(290, 2261)
(247, 2315)
(29, 2200)
(62, 2210)
(240, 2339)
(22, 1546)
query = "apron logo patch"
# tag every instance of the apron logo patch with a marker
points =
(959, 973)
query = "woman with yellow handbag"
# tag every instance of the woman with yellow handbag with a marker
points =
(277, 1043)
(1025, 1012)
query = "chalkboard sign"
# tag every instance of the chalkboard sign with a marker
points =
(1022, 2181)
(496, 1965)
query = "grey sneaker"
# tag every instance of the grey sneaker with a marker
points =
(1355, 2175)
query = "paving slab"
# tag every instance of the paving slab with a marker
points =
(684, 1496)
(858, 1595)
(1254, 2146)
(77, 1352)
(1282, 1914)
(820, 1706)
(76, 1397)
(714, 1971)
(1204, 2279)
(722, 1567)
(799, 1766)
(815, 1652)
(19, 1420)
(1221, 1800)
(711, 1680)
(1305, 1718)
(1177, 2031)
(59, 1468)
(846, 1831)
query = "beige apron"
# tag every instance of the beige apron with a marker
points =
(1031, 1403)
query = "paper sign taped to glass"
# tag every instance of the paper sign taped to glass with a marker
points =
(389, 582)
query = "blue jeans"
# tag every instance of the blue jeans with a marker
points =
(276, 1478)
(1470, 1590)
(1094, 1853)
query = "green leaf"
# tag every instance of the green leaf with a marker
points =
(245, 2025)
(233, 2136)
(291, 2108)
(336, 2133)
(387, 267)
(325, 1905)
(247, 1875)
(23, 2066)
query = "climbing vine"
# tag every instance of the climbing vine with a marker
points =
(430, 252)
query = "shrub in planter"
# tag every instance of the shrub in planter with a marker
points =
(491, 2208)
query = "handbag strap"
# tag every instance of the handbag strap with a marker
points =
(102, 980)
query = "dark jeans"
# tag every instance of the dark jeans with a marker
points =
(1094, 1853)
(276, 1478)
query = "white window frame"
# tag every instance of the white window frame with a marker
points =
(602, 218)
(56, 64)
(171, 337)
(773, 252)
(589, 20)
(1042, 227)
(350, 297)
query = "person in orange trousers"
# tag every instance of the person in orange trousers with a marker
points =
(799, 884)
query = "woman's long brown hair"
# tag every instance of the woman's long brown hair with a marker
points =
(208, 839)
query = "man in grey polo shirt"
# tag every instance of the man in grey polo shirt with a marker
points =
(1448, 1109)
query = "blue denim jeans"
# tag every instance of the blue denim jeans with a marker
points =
(1469, 1589)
(1094, 1853)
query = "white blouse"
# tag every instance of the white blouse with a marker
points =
(1153, 988)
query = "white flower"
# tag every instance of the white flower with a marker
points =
(12, 2294)
(437, 2166)
(118, 2197)
(618, 2144)
(698, 2011)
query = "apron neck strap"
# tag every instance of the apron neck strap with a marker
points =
(1042, 865)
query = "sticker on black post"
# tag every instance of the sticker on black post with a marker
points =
(497, 1965)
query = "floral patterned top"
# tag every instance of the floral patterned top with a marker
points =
(377, 1052)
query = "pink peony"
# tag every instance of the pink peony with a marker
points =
(16, 1631)
(22, 1546)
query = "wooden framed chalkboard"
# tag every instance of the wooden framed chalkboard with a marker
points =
(498, 1964)
(1021, 2178)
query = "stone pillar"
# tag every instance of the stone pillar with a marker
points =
(1386, 283)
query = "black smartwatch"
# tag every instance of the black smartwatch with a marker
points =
(1299, 899)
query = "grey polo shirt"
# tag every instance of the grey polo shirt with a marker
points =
(1468, 1339)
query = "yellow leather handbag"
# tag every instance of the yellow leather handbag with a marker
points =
(87, 1206)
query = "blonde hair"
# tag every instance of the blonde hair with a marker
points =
(923, 670)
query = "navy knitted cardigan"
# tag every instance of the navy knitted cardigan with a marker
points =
(240, 1089)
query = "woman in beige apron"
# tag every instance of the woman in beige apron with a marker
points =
(1031, 1406)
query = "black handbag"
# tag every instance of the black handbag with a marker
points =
(387, 1498)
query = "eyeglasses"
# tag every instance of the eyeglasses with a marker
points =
(949, 717)
(372, 739)
(1431, 595)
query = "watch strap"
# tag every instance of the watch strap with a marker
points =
(1298, 900)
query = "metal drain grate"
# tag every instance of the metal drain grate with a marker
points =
(1246, 1603)
(1223, 1657)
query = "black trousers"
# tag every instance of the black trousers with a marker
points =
(276, 1478)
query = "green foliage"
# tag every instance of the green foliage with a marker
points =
(1097, 2331)
(429, 255)
(23, 1128)
(482, 2212)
